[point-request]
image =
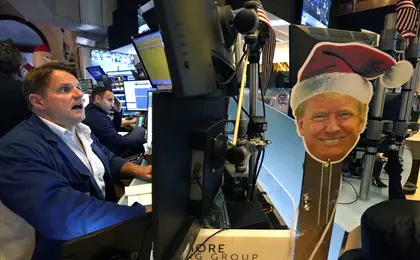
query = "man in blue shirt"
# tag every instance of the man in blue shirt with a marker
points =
(97, 118)
(56, 179)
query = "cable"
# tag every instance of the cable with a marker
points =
(207, 239)
(262, 93)
(238, 66)
(257, 171)
(248, 115)
(355, 191)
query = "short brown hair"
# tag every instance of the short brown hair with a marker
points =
(37, 80)
(98, 91)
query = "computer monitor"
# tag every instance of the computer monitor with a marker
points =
(136, 94)
(316, 13)
(131, 239)
(96, 72)
(150, 49)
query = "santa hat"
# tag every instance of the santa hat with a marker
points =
(347, 68)
(42, 48)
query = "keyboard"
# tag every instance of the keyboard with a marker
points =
(136, 159)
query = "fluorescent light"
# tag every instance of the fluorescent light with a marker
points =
(279, 22)
(85, 41)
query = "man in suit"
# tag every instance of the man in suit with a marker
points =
(12, 102)
(102, 102)
(56, 179)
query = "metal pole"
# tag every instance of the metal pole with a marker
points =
(253, 97)
(374, 134)
(401, 125)
(388, 43)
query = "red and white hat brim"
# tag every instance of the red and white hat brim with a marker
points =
(346, 83)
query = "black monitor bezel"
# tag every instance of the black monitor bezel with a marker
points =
(133, 38)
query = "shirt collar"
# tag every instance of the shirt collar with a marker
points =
(81, 129)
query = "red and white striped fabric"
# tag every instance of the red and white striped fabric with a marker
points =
(407, 18)
(262, 15)
(268, 49)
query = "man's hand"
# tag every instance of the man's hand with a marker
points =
(117, 105)
(136, 171)
(145, 173)
(148, 209)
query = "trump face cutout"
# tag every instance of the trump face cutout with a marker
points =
(330, 125)
(330, 100)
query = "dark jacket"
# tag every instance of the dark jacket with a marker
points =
(107, 130)
(13, 106)
(44, 182)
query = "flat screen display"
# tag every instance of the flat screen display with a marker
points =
(96, 72)
(151, 51)
(316, 13)
(136, 94)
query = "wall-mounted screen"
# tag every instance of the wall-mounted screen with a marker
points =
(316, 13)
(112, 61)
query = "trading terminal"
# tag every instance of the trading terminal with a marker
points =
(232, 178)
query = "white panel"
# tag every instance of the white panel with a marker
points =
(67, 9)
(91, 12)
(108, 7)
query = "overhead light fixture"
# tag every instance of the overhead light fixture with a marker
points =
(87, 27)
(85, 41)
(279, 22)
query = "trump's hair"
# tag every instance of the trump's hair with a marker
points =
(363, 108)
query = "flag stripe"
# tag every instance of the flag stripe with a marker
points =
(268, 49)
(407, 18)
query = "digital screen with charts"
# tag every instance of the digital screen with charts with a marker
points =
(136, 94)
(150, 49)
(316, 13)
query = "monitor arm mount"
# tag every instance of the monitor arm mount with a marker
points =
(401, 125)
(248, 138)
(392, 43)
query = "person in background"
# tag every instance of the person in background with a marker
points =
(12, 102)
(106, 129)
(56, 179)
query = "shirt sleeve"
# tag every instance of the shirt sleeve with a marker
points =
(32, 187)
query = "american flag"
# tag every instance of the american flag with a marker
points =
(407, 20)
(262, 14)
(268, 49)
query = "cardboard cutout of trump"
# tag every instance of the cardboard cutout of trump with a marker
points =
(330, 100)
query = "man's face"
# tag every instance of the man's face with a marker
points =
(106, 102)
(62, 102)
(330, 126)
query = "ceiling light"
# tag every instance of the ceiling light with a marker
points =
(279, 22)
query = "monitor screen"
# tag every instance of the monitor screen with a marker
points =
(150, 48)
(136, 94)
(316, 13)
(96, 72)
